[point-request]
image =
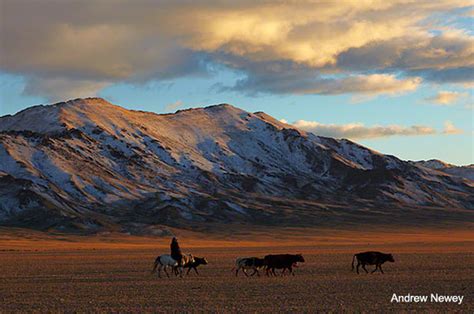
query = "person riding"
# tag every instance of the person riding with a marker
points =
(176, 250)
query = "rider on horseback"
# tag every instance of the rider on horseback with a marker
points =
(176, 251)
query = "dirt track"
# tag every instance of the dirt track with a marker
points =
(119, 279)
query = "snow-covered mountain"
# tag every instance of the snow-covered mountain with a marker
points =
(92, 165)
(433, 164)
(460, 171)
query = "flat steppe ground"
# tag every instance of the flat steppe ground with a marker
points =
(111, 273)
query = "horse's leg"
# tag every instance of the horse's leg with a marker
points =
(237, 271)
(380, 267)
(172, 270)
(243, 269)
(291, 271)
(196, 270)
(254, 272)
(159, 270)
(358, 265)
(155, 265)
(166, 272)
(189, 269)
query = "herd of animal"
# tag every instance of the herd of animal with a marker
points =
(269, 263)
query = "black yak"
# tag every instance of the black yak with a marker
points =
(371, 258)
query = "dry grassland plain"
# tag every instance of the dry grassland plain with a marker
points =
(64, 273)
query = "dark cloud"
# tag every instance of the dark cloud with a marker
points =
(454, 75)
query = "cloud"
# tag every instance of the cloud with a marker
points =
(59, 89)
(300, 47)
(451, 129)
(374, 84)
(445, 98)
(173, 106)
(360, 131)
(468, 13)
(445, 58)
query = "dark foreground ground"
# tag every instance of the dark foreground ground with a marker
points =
(49, 278)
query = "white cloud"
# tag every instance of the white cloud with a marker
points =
(173, 106)
(374, 84)
(451, 129)
(357, 131)
(445, 98)
(360, 131)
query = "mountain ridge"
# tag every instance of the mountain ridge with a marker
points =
(91, 165)
(465, 171)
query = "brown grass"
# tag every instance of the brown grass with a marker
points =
(112, 272)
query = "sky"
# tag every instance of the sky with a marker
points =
(396, 76)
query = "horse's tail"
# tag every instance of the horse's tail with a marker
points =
(155, 265)
(353, 260)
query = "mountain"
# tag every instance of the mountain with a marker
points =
(433, 164)
(460, 171)
(89, 165)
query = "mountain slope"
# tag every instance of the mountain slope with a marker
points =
(92, 165)
(459, 171)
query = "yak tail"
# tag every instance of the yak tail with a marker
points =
(157, 261)
(353, 259)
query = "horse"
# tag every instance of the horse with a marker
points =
(164, 261)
